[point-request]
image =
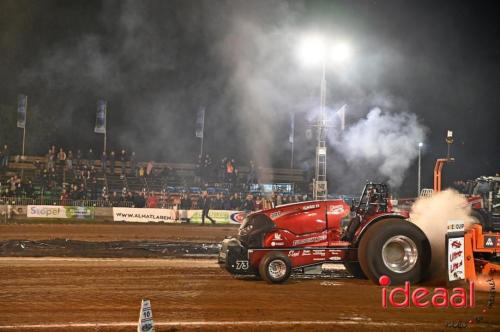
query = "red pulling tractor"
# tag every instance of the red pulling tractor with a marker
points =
(372, 241)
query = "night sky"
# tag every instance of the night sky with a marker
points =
(431, 65)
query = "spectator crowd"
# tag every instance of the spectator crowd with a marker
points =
(79, 177)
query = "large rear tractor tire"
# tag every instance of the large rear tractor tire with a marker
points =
(395, 248)
(275, 268)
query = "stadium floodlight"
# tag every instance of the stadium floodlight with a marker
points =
(420, 144)
(312, 50)
(340, 52)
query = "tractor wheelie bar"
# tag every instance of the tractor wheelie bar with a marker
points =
(372, 241)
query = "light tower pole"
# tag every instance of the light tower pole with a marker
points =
(313, 51)
(320, 187)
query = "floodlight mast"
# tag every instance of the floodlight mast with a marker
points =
(320, 185)
(315, 50)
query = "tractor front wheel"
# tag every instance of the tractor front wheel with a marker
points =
(275, 268)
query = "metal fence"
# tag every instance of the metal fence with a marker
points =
(63, 202)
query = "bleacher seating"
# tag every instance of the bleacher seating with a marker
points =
(180, 178)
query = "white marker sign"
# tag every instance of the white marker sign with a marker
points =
(145, 317)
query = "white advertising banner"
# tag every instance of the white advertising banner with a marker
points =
(46, 211)
(220, 216)
(60, 212)
(143, 215)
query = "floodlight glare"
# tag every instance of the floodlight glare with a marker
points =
(340, 52)
(420, 144)
(312, 50)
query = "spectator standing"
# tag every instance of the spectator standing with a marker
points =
(114, 199)
(69, 160)
(204, 205)
(45, 179)
(5, 155)
(149, 169)
(186, 202)
(50, 159)
(152, 201)
(104, 194)
(252, 175)
(64, 197)
(93, 188)
(28, 189)
(229, 171)
(61, 157)
(104, 161)
(218, 202)
(139, 200)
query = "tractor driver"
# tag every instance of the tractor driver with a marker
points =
(373, 201)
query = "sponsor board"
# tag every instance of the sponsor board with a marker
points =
(456, 259)
(455, 244)
(60, 212)
(456, 226)
(220, 216)
(143, 215)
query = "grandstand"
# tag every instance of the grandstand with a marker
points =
(179, 178)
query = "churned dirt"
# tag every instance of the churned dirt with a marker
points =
(104, 294)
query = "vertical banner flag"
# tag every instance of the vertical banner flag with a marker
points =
(200, 122)
(341, 114)
(100, 121)
(22, 103)
(292, 128)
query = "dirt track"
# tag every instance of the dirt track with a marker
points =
(115, 232)
(82, 294)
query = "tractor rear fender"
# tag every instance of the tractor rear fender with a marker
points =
(367, 224)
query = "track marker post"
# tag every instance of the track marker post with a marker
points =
(146, 323)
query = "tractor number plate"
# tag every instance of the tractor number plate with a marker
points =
(242, 265)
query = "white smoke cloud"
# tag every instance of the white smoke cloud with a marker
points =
(384, 142)
(432, 214)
